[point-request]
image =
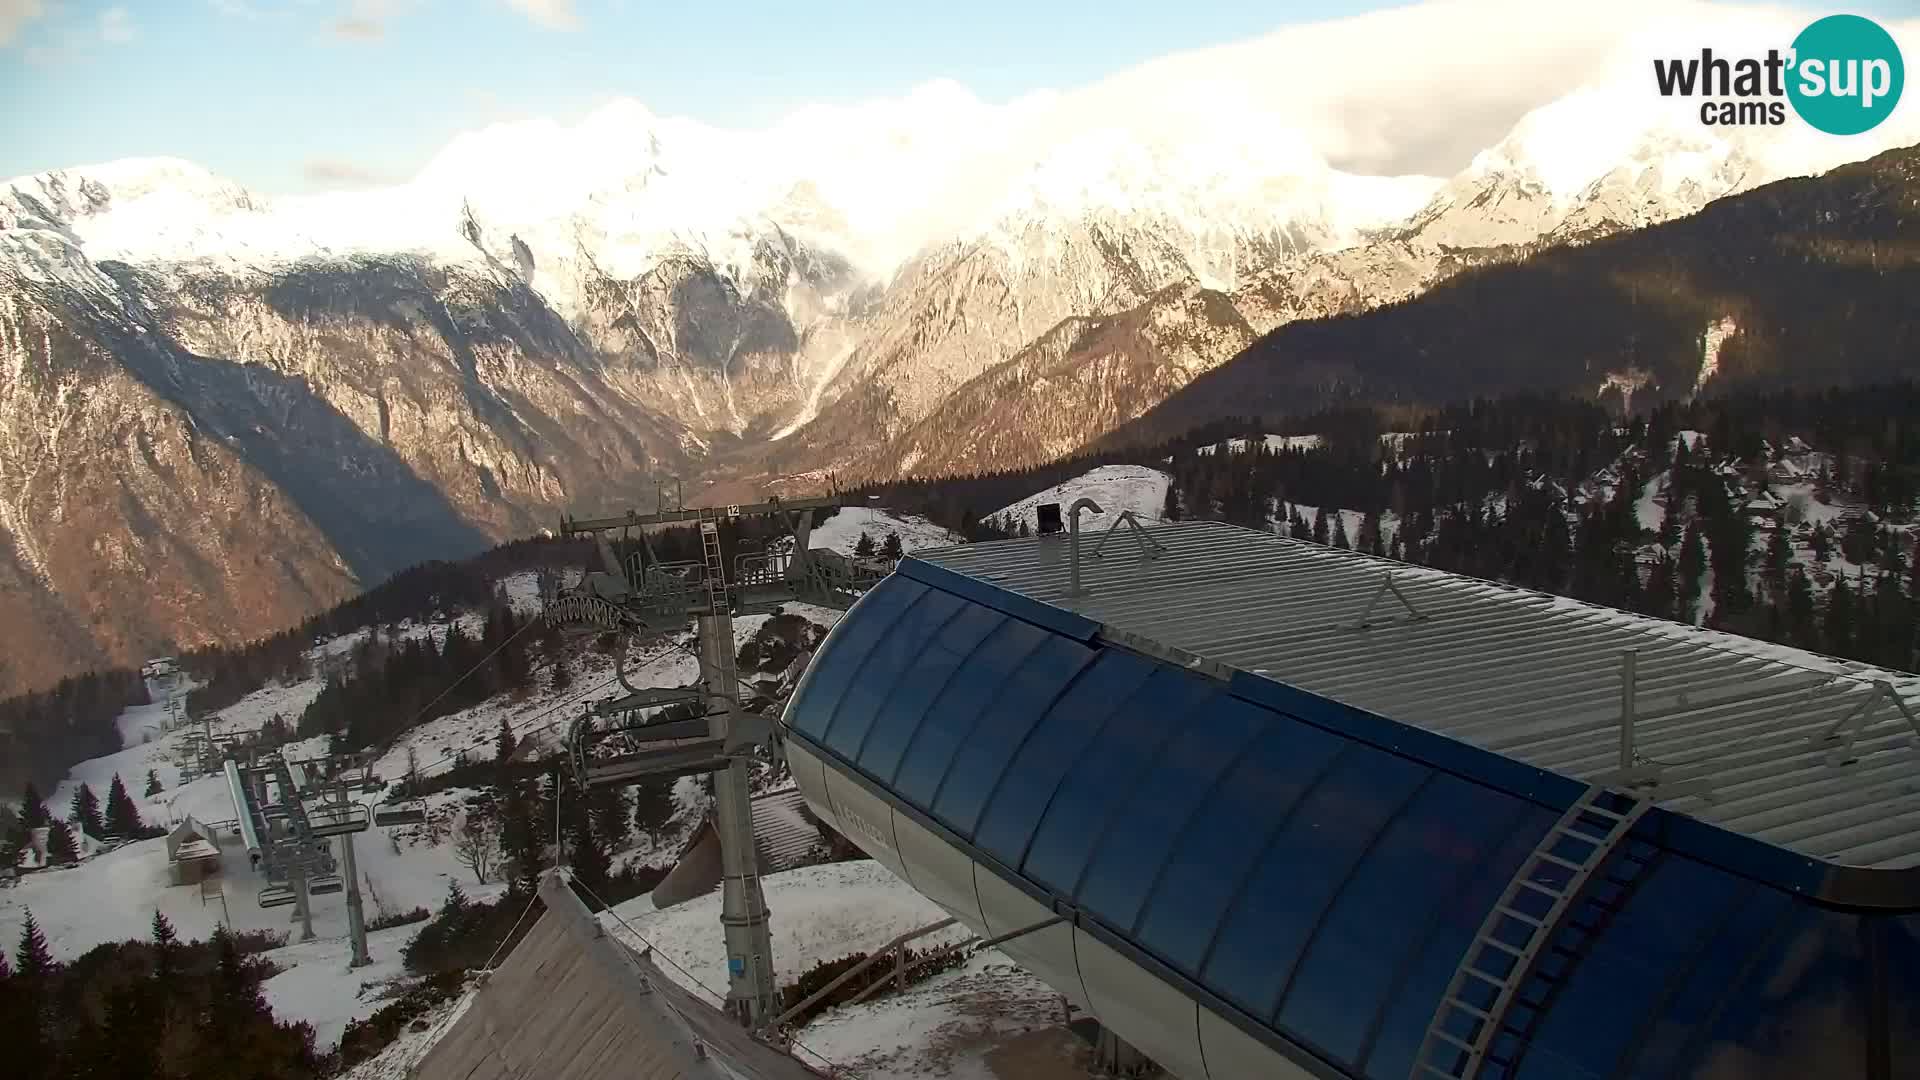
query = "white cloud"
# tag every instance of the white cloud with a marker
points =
(116, 25)
(334, 172)
(15, 14)
(552, 14)
(366, 20)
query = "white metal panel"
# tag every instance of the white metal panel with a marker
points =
(865, 820)
(1538, 678)
(1159, 1021)
(1047, 953)
(937, 870)
(810, 775)
(1233, 1054)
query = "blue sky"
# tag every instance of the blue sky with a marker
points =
(294, 95)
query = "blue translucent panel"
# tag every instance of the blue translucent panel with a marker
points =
(1106, 775)
(1594, 1020)
(954, 713)
(1901, 942)
(1141, 833)
(845, 649)
(1273, 918)
(1711, 972)
(1380, 917)
(1402, 1025)
(1226, 835)
(873, 682)
(1801, 1011)
(1054, 746)
(1029, 693)
(898, 717)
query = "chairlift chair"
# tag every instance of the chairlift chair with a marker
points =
(336, 819)
(277, 896)
(406, 812)
(326, 884)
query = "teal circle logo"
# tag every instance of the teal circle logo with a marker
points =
(1846, 76)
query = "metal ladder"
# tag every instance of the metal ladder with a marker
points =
(710, 552)
(1519, 927)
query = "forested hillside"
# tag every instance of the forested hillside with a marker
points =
(1803, 283)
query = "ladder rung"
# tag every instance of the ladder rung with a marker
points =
(1501, 945)
(1485, 977)
(1596, 808)
(1539, 888)
(1583, 837)
(1558, 861)
(1513, 913)
(1466, 1008)
(1461, 1043)
(1436, 1070)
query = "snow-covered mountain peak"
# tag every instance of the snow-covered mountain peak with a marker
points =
(1567, 144)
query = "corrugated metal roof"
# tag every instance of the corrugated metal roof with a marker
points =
(572, 1003)
(1536, 677)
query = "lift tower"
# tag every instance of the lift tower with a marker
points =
(633, 736)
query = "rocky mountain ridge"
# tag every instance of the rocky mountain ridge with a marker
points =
(271, 402)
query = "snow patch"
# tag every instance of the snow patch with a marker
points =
(1115, 488)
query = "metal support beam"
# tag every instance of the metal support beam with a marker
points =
(356, 919)
(846, 976)
(573, 526)
(1848, 729)
(302, 902)
(751, 994)
(1387, 585)
(647, 697)
(1149, 547)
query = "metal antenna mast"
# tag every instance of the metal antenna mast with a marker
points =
(647, 737)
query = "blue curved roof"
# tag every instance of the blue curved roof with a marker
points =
(1318, 887)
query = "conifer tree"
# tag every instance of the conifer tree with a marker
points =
(1340, 532)
(85, 811)
(1670, 528)
(1693, 565)
(1659, 597)
(33, 809)
(32, 959)
(60, 846)
(1779, 553)
(1297, 525)
(122, 820)
(1170, 508)
(1801, 630)
(863, 547)
(587, 856)
(1840, 616)
(153, 783)
(612, 816)
(456, 902)
(1821, 541)
(1320, 525)
(520, 841)
(166, 941)
(891, 549)
(503, 742)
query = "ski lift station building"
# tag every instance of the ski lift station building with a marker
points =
(1272, 810)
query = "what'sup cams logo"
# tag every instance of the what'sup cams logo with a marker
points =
(1842, 75)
